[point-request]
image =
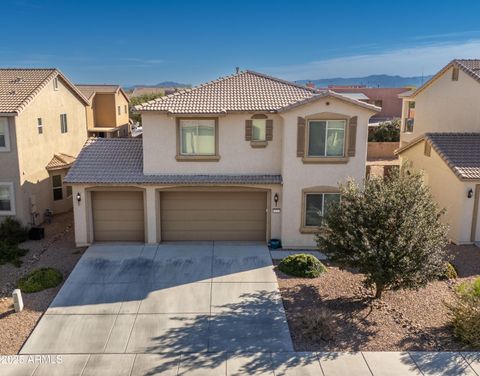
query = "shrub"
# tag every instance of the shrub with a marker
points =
(389, 229)
(40, 279)
(388, 131)
(465, 313)
(302, 265)
(317, 324)
(12, 231)
(11, 253)
(449, 272)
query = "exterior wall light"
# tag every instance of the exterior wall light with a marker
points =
(79, 198)
(470, 193)
(275, 199)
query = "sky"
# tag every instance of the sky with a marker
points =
(146, 42)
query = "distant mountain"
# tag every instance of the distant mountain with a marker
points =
(375, 80)
(161, 84)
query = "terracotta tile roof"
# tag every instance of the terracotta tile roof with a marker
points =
(461, 151)
(120, 161)
(89, 90)
(60, 161)
(18, 86)
(245, 91)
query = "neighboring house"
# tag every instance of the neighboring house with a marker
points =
(386, 98)
(245, 157)
(451, 166)
(448, 102)
(42, 129)
(108, 113)
(139, 91)
(441, 137)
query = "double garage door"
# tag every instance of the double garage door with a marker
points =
(192, 215)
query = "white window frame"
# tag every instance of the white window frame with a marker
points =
(6, 148)
(12, 199)
(60, 187)
(326, 138)
(55, 83)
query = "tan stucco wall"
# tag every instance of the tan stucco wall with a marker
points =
(121, 101)
(446, 106)
(9, 171)
(449, 191)
(36, 150)
(90, 117)
(236, 155)
(297, 175)
(105, 111)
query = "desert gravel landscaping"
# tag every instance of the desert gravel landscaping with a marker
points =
(56, 250)
(351, 321)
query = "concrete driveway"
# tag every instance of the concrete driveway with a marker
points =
(168, 299)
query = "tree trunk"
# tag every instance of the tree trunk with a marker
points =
(379, 287)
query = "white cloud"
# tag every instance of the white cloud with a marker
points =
(413, 61)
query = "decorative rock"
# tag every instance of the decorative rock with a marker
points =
(17, 300)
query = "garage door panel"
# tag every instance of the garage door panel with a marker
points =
(118, 216)
(213, 215)
(202, 235)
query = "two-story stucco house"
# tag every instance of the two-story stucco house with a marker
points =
(441, 137)
(245, 157)
(42, 129)
(108, 113)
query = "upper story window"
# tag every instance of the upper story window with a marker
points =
(119, 111)
(40, 125)
(197, 137)
(4, 135)
(326, 138)
(7, 202)
(259, 129)
(125, 108)
(409, 119)
(63, 123)
(55, 83)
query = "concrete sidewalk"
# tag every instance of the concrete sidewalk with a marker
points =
(285, 363)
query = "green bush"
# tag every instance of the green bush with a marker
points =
(11, 253)
(12, 231)
(387, 131)
(40, 279)
(450, 272)
(302, 265)
(465, 313)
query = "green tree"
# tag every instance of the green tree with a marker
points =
(389, 229)
(387, 131)
(139, 100)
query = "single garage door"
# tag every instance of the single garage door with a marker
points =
(118, 216)
(213, 215)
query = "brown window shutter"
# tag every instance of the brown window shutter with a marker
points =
(352, 136)
(248, 130)
(269, 130)
(300, 137)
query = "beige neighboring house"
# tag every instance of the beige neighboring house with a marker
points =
(448, 102)
(42, 130)
(441, 137)
(246, 157)
(108, 113)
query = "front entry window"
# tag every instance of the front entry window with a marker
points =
(317, 205)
